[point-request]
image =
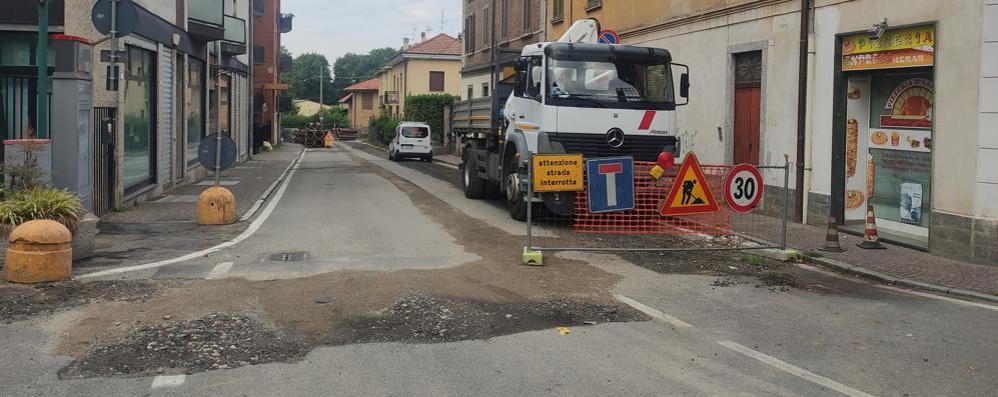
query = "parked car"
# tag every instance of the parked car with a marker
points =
(412, 140)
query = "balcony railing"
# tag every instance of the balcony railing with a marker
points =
(284, 22)
(206, 19)
(25, 12)
(234, 42)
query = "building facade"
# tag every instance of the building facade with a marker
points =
(432, 66)
(360, 102)
(268, 25)
(515, 24)
(901, 94)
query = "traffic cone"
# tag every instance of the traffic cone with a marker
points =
(832, 237)
(870, 238)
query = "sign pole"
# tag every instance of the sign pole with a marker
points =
(42, 59)
(218, 156)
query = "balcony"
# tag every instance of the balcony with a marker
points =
(284, 22)
(234, 42)
(285, 63)
(206, 19)
(25, 12)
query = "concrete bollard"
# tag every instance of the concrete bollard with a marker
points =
(39, 251)
(216, 206)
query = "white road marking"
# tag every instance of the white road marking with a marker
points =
(219, 270)
(453, 167)
(168, 381)
(793, 370)
(253, 227)
(655, 313)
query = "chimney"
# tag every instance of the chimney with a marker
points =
(422, 37)
(405, 43)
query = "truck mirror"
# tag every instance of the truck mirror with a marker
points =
(521, 83)
(684, 85)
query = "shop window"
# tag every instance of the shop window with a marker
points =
(140, 125)
(194, 95)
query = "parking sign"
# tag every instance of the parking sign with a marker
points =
(611, 184)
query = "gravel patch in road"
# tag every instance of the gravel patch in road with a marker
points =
(216, 341)
(20, 302)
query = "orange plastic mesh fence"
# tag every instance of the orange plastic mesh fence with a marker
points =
(649, 197)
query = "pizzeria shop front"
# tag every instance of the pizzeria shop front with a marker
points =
(887, 89)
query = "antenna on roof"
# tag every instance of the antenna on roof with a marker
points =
(443, 21)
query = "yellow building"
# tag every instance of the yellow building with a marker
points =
(630, 18)
(360, 103)
(432, 66)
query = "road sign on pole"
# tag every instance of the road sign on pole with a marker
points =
(743, 188)
(557, 172)
(608, 36)
(691, 193)
(611, 184)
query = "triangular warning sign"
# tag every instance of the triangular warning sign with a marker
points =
(691, 193)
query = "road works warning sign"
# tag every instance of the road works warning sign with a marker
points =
(691, 193)
(558, 172)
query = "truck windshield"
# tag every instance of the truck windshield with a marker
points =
(620, 83)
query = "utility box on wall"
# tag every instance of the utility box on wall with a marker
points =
(72, 129)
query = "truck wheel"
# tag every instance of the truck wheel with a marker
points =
(515, 199)
(474, 187)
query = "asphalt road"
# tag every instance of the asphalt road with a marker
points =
(377, 238)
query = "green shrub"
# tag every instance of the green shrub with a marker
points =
(385, 125)
(335, 117)
(429, 109)
(39, 203)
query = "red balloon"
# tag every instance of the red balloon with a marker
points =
(666, 160)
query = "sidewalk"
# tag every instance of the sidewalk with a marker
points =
(166, 226)
(899, 266)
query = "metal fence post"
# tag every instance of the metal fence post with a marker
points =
(530, 200)
(786, 203)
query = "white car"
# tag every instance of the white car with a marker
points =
(412, 140)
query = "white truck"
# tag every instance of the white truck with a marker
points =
(569, 96)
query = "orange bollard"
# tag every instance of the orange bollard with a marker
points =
(40, 251)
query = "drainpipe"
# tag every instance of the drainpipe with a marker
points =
(42, 59)
(544, 20)
(809, 128)
(250, 43)
(805, 23)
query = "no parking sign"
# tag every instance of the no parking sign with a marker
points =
(743, 188)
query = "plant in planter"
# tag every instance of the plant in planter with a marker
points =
(27, 198)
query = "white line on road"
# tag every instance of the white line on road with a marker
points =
(655, 313)
(219, 270)
(168, 381)
(253, 227)
(793, 370)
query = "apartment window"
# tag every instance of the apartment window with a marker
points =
(487, 29)
(436, 81)
(469, 34)
(592, 5)
(471, 92)
(485, 90)
(367, 101)
(558, 13)
(528, 10)
(505, 19)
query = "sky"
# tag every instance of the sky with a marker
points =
(336, 27)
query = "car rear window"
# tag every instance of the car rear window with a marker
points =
(415, 132)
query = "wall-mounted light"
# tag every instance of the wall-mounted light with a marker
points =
(878, 30)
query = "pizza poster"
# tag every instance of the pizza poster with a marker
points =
(857, 146)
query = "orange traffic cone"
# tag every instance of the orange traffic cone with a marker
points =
(832, 237)
(870, 238)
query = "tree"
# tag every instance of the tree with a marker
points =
(352, 68)
(304, 78)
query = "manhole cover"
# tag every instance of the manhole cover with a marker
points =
(289, 257)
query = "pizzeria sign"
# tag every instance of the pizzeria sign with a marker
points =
(899, 48)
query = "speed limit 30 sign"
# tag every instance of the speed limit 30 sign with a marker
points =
(743, 188)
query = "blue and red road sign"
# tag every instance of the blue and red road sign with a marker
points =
(607, 36)
(611, 184)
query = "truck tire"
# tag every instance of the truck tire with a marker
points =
(474, 187)
(516, 202)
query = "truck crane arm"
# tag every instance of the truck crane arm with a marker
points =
(582, 31)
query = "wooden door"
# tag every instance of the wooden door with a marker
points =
(748, 107)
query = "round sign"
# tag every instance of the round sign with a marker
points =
(743, 188)
(607, 36)
(208, 149)
(126, 17)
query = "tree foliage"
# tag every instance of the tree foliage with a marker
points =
(429, 109)
(352, 68)
(335, 117)
(304, 78)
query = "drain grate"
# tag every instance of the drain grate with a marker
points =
(289, 257)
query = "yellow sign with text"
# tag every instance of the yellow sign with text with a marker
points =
(899, 48)
(557, 172)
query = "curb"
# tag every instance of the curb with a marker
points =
(900, 282)
(270, 189)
